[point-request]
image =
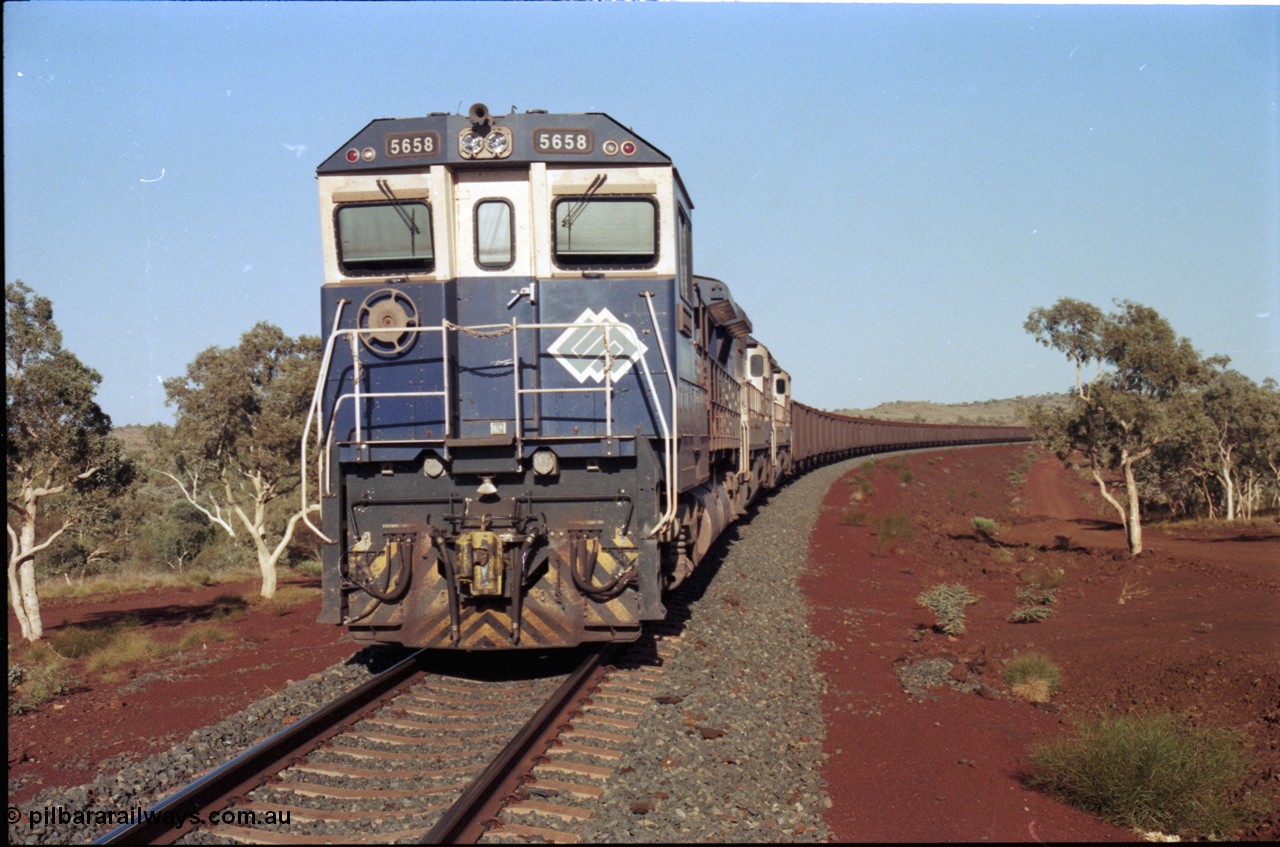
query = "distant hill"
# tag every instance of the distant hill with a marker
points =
(1010, 412)
(136, 444)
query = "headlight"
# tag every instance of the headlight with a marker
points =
(497, 143)
(472, 144)
(432, 466)
(545, 463)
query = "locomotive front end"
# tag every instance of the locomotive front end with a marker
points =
(493, 431)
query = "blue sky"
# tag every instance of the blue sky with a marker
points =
(888, 190)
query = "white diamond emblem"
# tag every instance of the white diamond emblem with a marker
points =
(581, 348)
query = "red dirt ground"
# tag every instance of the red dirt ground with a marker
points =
(1197, 633)
(158, 703)
(1190, 626)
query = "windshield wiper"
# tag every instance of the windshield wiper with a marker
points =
(396, 203)
(577, 209)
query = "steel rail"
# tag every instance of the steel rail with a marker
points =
(176, 814)
(457, 825)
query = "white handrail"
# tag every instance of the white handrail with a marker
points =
(312, 410)
(669, 438)
(357, 395)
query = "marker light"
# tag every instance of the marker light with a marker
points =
(353, 155)
(628, 148)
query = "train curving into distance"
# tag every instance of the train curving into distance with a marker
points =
(532, 416)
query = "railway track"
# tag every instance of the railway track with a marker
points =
(414, 751)
(418, 752)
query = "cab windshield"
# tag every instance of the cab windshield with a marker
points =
(605, 232)
(385, 238)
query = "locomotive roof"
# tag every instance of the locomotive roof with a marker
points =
(535, 136)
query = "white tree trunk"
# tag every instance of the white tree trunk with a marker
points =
(1228, 485)
(30, 600)
(1133, 526)
(15, 600)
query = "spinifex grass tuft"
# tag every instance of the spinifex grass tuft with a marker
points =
(948, 602)
(1154, 772)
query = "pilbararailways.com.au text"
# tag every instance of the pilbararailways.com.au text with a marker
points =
(62, 816)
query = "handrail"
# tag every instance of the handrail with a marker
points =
(313, 411)
(669, 439)
(357, 395)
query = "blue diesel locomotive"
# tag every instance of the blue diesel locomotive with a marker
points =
(532, 417)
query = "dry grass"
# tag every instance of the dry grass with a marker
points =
(1033, 691)
(892, 528)
(1033, 677)
(206, 632)
(127, 647)
(111, 585)
(284, 600)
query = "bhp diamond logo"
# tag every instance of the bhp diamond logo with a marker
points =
(582, 348)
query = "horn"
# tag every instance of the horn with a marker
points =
(478, 113)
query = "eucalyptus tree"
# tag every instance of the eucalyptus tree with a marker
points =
(61, 460)
(1234, 428)
(1141, 393)
(233, 450)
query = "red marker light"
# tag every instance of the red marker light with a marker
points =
(628, 148)
(353, 155)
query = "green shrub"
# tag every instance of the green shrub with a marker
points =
(1035, 596)
(1154, 772)
(126, 647)
(226, 606)
(1034, 672)
(1046, 577)
(1029, 614)
(74, 642)
(1032, 677)
(986, 527)
(310, 567)
(948, 602)
(204, 633)
(853, 517)
(200, 579)
(890, 528)
(907, 476)
(40, 684)
(862, 482)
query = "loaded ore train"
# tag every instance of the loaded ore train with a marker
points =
(533, 418)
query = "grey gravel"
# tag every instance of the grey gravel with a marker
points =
(124, 785)
(746, 667)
